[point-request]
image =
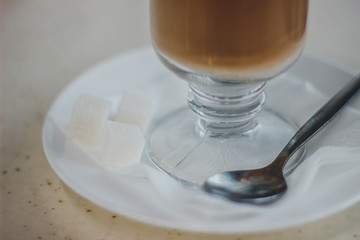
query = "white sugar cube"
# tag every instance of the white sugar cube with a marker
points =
(88, 119)
(123, 144)
(135, 109)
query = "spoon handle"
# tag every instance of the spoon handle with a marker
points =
(320, 119)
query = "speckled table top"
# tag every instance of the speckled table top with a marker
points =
(45, 45)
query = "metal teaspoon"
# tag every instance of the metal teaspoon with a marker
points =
(264, 185)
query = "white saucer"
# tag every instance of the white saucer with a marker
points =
(140, 71)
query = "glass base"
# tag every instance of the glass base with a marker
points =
(180, 146)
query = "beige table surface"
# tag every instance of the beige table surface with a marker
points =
(45, 45)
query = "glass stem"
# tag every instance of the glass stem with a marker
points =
(228, 112)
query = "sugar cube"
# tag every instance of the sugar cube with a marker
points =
(134, 109)
(123, 144)
(88, 119)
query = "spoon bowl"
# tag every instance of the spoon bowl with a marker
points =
(258, 185)
(267, 184)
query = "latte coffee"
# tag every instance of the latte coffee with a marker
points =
(238, 40)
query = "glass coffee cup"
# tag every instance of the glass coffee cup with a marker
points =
(226, 51)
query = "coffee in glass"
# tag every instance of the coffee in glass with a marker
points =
(232, 39)
(225, 50)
